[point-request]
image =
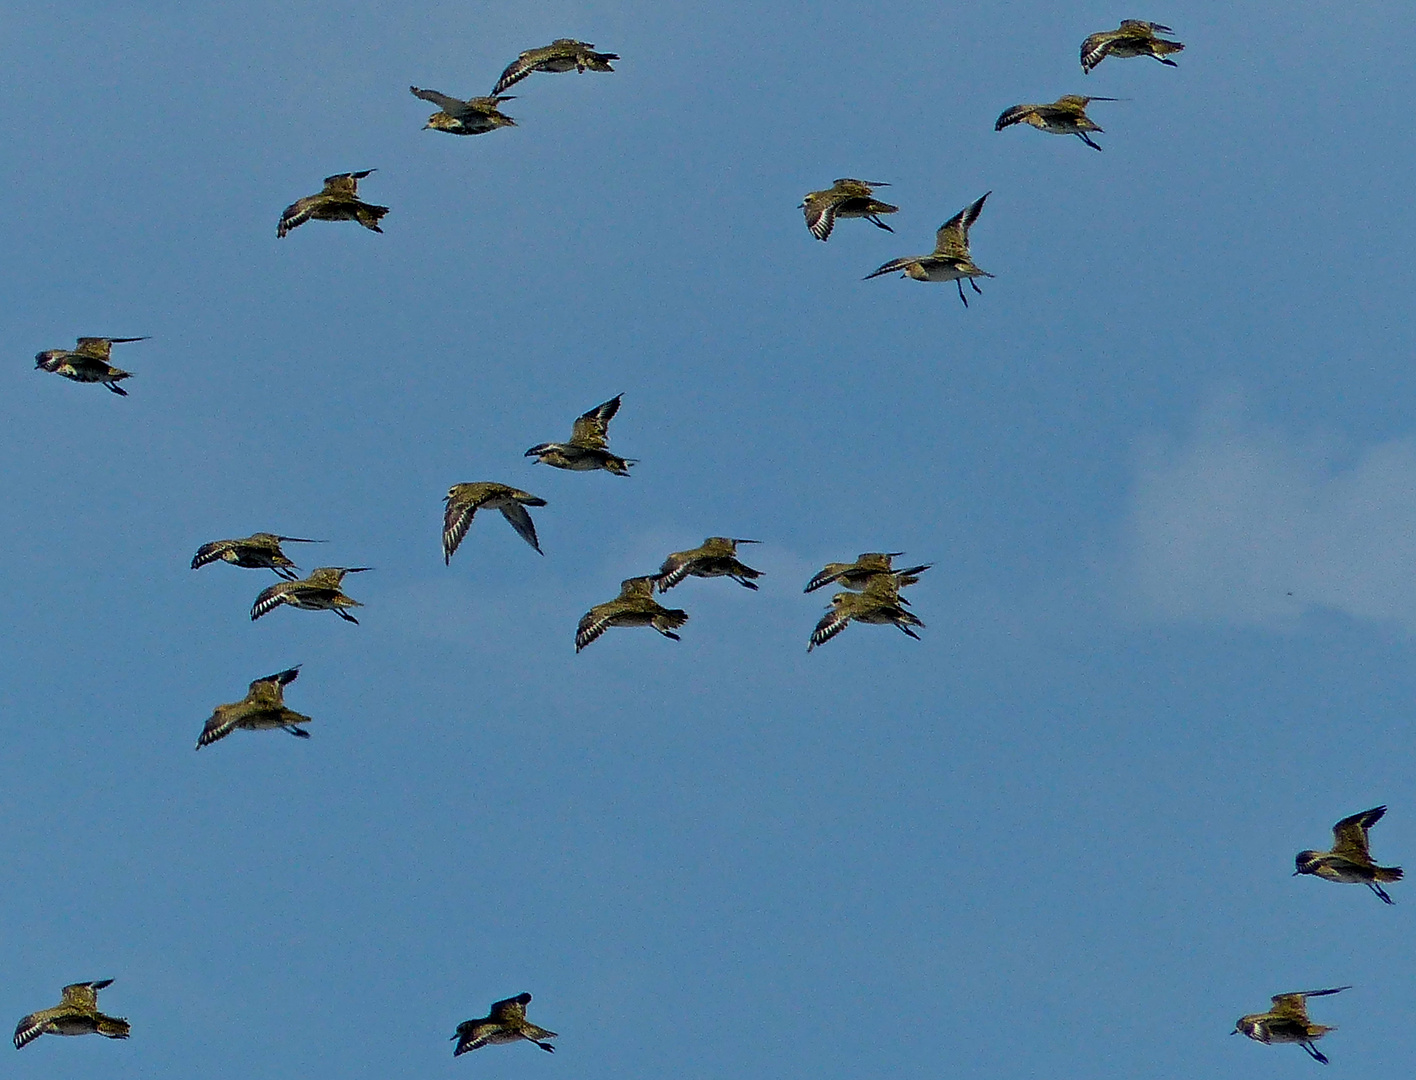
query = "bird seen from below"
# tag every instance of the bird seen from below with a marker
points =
(1350, 859)
(715, 557)
(76, 1014)
(87, 362)
(337, 201)
(950, 260)
(262, 709)
(318, 592)
(505, 1022)
(868, 565)
(1287, 1022)
(635, 606)
(589, 446)
(563, 54)
(475, 116)
(259, 551)
(1065, 116)
(878, 603)
(464, 500)
(1134, 37)
(846, 198)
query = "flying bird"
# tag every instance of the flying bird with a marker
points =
(846, 198)
(338, 201)
(563, 54)
(715, 557)
(88, 362)
(475, 116)
(464, 500)
(868, 565)
(262, 709)
(1065, 116)
(318, 592)
(259, 551)
(589, 446)
(635, 606)
(950, 260)
(76, 1014)
(1133, 38)
(1287, 1022)
(878, 603)
(1350, 859)
(505, 1022)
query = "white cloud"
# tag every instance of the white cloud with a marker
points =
(1242, 523)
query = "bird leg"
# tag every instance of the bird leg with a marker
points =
(974, 286)
(1318, 1055)
(1380, 892)
(346, 616)
(1083, 136)
(875, 220)
(297, 732)
(960, 283)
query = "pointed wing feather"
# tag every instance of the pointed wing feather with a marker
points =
(952, 239)
(209, 553)
(518, 69)
(1015, 115)
(269, 599)
(456, 521)
(521, 521)
(1350, 834)
(442, 101)
(591, 429)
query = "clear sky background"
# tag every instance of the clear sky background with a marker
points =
(1165, 468)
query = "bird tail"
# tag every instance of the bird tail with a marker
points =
(114, 1027)
(1388, 873)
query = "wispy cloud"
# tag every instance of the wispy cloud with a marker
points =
(1244, 523)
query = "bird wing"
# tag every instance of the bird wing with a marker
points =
(594, 623)
(893, 265)
(209, 553)
(518, 69)
(1350, 834)
(271, 684)
(820, 211)
(521, 521)
(510, 1010)
(1014, 115)
(1290, 1007)
(99, 348)
(831, 624)
(457, 519)
(591, 430)
(269, 599)
(473, 1035)
(675, 568)
(296, 214)
(442, 101)
(84, 995)
(344, 184)
(1095, 48)
(952, 239)
(220, 724)
(33, 1026)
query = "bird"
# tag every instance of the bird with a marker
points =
(475, 116)
(635, 606)
(868, 564)
(1134, 37)
(262, 709)
(878, 603)
(259, 551)
(464, 500)
(88, 362)
(715, 557)
(563, 54)
(1287, 1022)
(950, 259)
(76, 1014)
(1350, 860)
(846, 198)
(338, 201)
(589, 446)
(318, 592)
(1065, 116)
(505, 1022)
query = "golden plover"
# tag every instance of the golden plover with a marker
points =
(262, 709)
(950, 260)
(76, 1014)
(87, 362)
(563, 54)
(505, 1022)
(635, 606)
(337, 201)
(846, 198)
(589, 446)
(464, 500)
(318, 592)
(1350, 859)
(1287, 1022)
(259, 551)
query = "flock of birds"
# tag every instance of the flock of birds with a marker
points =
(872, 584)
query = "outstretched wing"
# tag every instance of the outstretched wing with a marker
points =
(593, 623)
(893, 265)
(591, 430)
(269, 599)
(510, 1010)
(296, 214)
(267, 683)
(209, 553)
(1350, 834)
(521, 521)
(31, 1027)
(820, 212)
(518, 69)
(1015, 115)
(952, 239)
(457, 519)
(344, 184)
(831, 624)
(442, 101)
(1095, 48)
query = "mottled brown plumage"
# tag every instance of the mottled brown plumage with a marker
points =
(76, 1014)
(505, 1022)
(87, 362)
(589, 445)
(259, 551)
(464, 500)
(715, 557)
(950, 260)
(1287, 1022)
(1350, 860)
(262, 709)
(846, 198)
(635, 606)
(1134, 37)
(318, 592)
(563, 54)
(337, 201)
(474, 116)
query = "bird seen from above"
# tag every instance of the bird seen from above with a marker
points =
(464, 500)
(1134, 37)
(878, 602)
(1065, 116)
(475, 116)
(337, 201)
(563, 54)
(88, 362)
(635, 606)
(868, 565)
(715, 557)
(76, 1014)
(262, 709)
(589, 446)
(318, 592)
(1350, 859)
(1287, 1022)
(950, 259)
(846, 198)
(506, 1022)
(259, 551)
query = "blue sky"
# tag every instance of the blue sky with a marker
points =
(1054, 837)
